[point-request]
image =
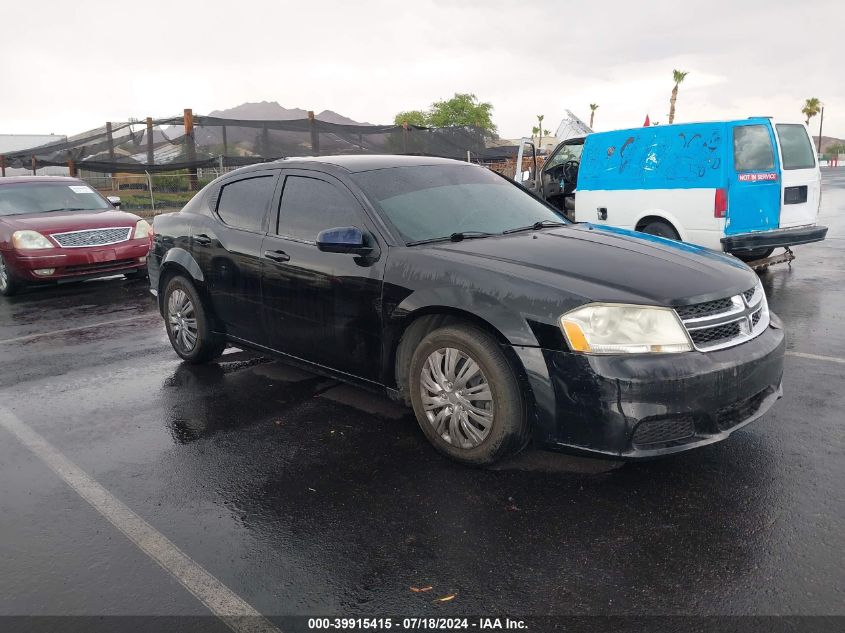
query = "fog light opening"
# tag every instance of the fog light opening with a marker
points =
(43, 272)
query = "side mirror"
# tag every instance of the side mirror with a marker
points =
(344, 239)
(526, 175)
(115, 201)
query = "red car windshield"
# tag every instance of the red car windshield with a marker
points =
(19, 198)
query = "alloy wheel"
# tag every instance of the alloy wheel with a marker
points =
(182, 320)
(456, 398)
(4, 275)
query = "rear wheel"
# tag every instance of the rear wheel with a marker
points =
(8, 284)
(661, 228)
(467, 397)
(188, 324)
(757, 253)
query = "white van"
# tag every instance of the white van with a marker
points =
(743, 187)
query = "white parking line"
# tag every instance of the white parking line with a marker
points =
(32, 337)
(220, 600)
(829, 359)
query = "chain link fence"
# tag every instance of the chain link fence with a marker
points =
(152, 194)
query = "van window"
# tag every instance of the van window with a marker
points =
(795, 146)
(753, 148)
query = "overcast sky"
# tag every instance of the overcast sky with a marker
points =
(70, 66)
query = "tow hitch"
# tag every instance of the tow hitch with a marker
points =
(784, 258)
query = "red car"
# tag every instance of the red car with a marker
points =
(55, 229)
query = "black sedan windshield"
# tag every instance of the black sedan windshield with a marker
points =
(434, 201)
(18, 198)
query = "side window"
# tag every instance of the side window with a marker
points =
(310, 205)
(243, 203)
(753, 148)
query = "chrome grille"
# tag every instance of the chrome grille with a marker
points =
(92, 237)
(726, 322)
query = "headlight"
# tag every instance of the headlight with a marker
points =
(27, 240)
(624, 329)
(142, 229)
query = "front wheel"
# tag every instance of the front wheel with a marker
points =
(8, 283)
(467, 397)
(188, 324)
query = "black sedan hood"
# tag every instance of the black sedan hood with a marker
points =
(609, 264)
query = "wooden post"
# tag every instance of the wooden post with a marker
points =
(71, 167)
(404, 137)
(110, 139)
(315, 135)
(225, 143)
(34, 166)
(192, 147)
(2, 166)
(150, 153)
(265, 142)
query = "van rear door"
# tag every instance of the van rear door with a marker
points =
(801, 178)
(755, 188)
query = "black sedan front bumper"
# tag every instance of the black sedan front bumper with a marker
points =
(642, 406)
(773, 239)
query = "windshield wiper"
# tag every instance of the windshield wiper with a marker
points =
(542, 224)
(68, 209)
(454, 237)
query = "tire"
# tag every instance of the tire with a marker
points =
(188, 323)
(661, 228)
(757, 253)
(456, 428)
(8, 284)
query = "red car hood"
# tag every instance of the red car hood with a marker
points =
(61, 221)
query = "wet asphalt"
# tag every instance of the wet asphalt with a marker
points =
(304, 496)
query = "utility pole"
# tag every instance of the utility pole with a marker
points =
(191, 146)
(34, 166)
(821, 123)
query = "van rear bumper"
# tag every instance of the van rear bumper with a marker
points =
(773, 239)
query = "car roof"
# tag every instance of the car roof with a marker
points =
(10, 180)
(355, 163)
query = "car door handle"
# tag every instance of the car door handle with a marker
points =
(277, 256)
(202, 239)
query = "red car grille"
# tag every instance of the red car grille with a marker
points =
(92, 237)
(92, 268)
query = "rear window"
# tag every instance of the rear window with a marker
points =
(753, 148)
(243, 203)
(795, 146)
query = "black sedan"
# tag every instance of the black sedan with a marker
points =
(458, 292)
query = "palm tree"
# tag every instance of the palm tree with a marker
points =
(811, 108)
(593, 108)
(540, 118)
(678, 76)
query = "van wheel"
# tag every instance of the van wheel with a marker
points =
(660, 228)
(757, 253)
(188, 324)
(467, 397)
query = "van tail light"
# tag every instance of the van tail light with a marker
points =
(720, 204)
